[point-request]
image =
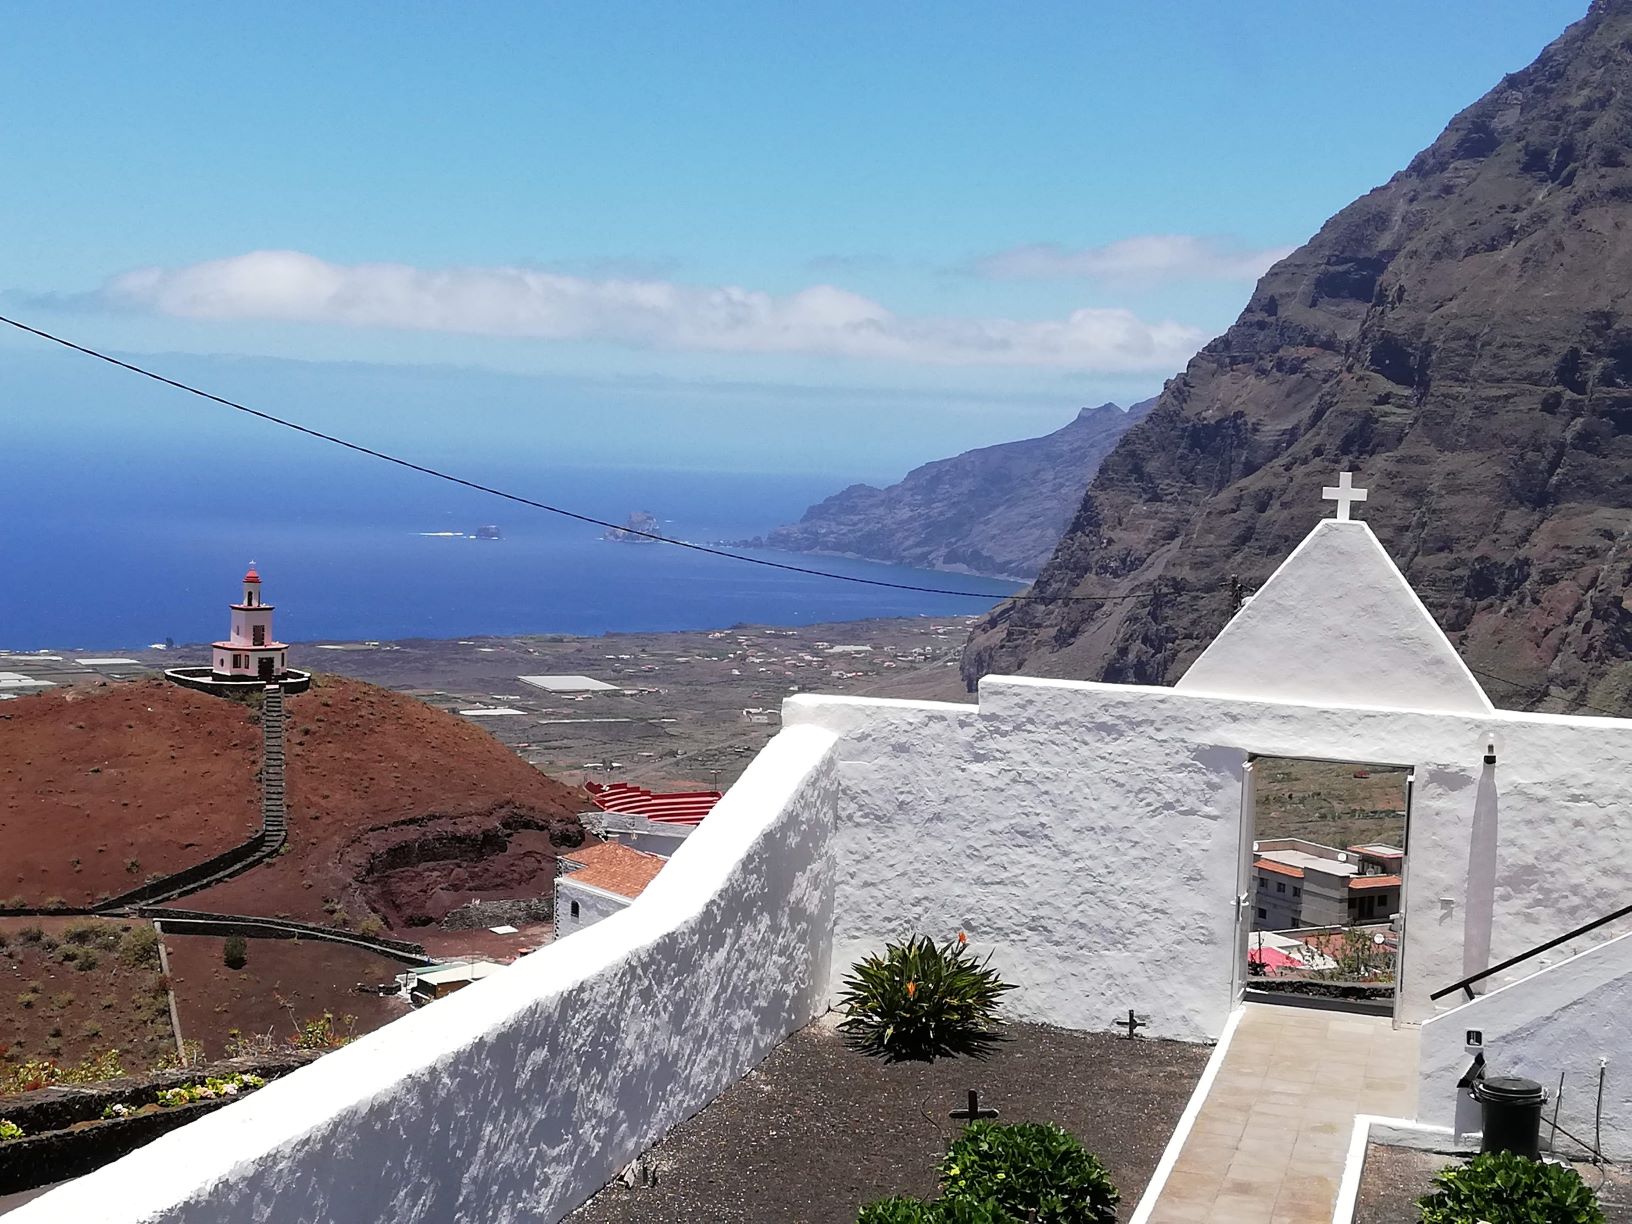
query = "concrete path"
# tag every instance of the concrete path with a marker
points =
(1269, 1143)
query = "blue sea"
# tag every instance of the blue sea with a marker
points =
(105, 548)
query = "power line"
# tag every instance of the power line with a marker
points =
(1541, 690)
(386, 457)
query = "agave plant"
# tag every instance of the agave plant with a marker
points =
(920, 1001)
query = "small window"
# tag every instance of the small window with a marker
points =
(259, 636)
(575, 909)
(1262, 884)
(1296, 891)
(1280, 886)
(1261, 914)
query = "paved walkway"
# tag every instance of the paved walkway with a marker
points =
(1269, 1144)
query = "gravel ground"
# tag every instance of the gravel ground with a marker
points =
(817, 1130)
(1395, 1177)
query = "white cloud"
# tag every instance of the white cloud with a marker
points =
(647, 313)
(1147, 258)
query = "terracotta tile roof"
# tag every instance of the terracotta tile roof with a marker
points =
(1357, 883)
(615, 868)
(1278, 868)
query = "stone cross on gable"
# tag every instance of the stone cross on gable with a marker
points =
(1343, 493)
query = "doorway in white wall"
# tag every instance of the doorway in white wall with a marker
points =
(1320, 913)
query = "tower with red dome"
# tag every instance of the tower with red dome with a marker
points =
(250, 652)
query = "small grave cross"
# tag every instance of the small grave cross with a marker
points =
(1343, 493)
(974, 1113)
(1133, 1024)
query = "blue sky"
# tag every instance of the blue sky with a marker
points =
(753, 229)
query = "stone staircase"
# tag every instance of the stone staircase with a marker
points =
(274, 815)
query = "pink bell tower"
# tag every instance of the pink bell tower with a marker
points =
(250, 651)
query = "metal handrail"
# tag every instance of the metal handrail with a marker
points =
(1467, 983)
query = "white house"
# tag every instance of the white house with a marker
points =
(597, 881)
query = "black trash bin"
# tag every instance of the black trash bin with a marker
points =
(1511, 1109)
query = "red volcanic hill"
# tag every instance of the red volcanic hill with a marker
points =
(396, 810)
(102, 787)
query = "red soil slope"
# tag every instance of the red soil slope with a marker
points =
(401, 811)
(102, 787)
(282, 985)
(64, 998)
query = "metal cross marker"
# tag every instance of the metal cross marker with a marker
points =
(1343, 493)
(974, 1113)
(1133, 1024)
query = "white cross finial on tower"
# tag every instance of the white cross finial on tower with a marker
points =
(1343, 493)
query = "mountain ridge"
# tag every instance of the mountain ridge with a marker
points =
(994, 511)
(1461, 338)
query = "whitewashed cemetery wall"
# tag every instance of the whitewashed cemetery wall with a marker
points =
(521, 1095)
(1090, 833)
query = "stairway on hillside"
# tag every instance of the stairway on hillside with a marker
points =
(274, 815)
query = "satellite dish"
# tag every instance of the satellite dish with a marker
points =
(1378, 940)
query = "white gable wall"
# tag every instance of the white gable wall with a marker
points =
(593, 903)
(1337, 624)
(1089, 834)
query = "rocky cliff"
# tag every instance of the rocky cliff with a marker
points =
(996, 511)
(1461, 338)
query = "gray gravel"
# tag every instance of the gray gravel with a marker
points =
(817, 1129)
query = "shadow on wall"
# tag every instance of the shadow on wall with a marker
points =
(1480, 890)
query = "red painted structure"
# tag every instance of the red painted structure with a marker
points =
(680, 807)
(250, 651)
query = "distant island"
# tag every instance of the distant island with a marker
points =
(637, 529)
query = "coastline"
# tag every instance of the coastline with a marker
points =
(758, 543)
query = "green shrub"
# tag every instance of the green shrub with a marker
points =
(9, 1130)
(236, 952)
(94, 1068)
(938, 1211)
(919, 1002)
(1034, 1171)
(139, 947)
(897, 1211)
(93, 934)
(1501, 1188)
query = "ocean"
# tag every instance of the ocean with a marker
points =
(111, 555)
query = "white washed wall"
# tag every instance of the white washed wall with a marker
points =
(1088, 833)
(520, 1095)
(1558, 1022)
(594, 904)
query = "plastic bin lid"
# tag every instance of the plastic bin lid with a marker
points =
(1510, 1089)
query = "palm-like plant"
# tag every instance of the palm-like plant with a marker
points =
(920, 1001)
